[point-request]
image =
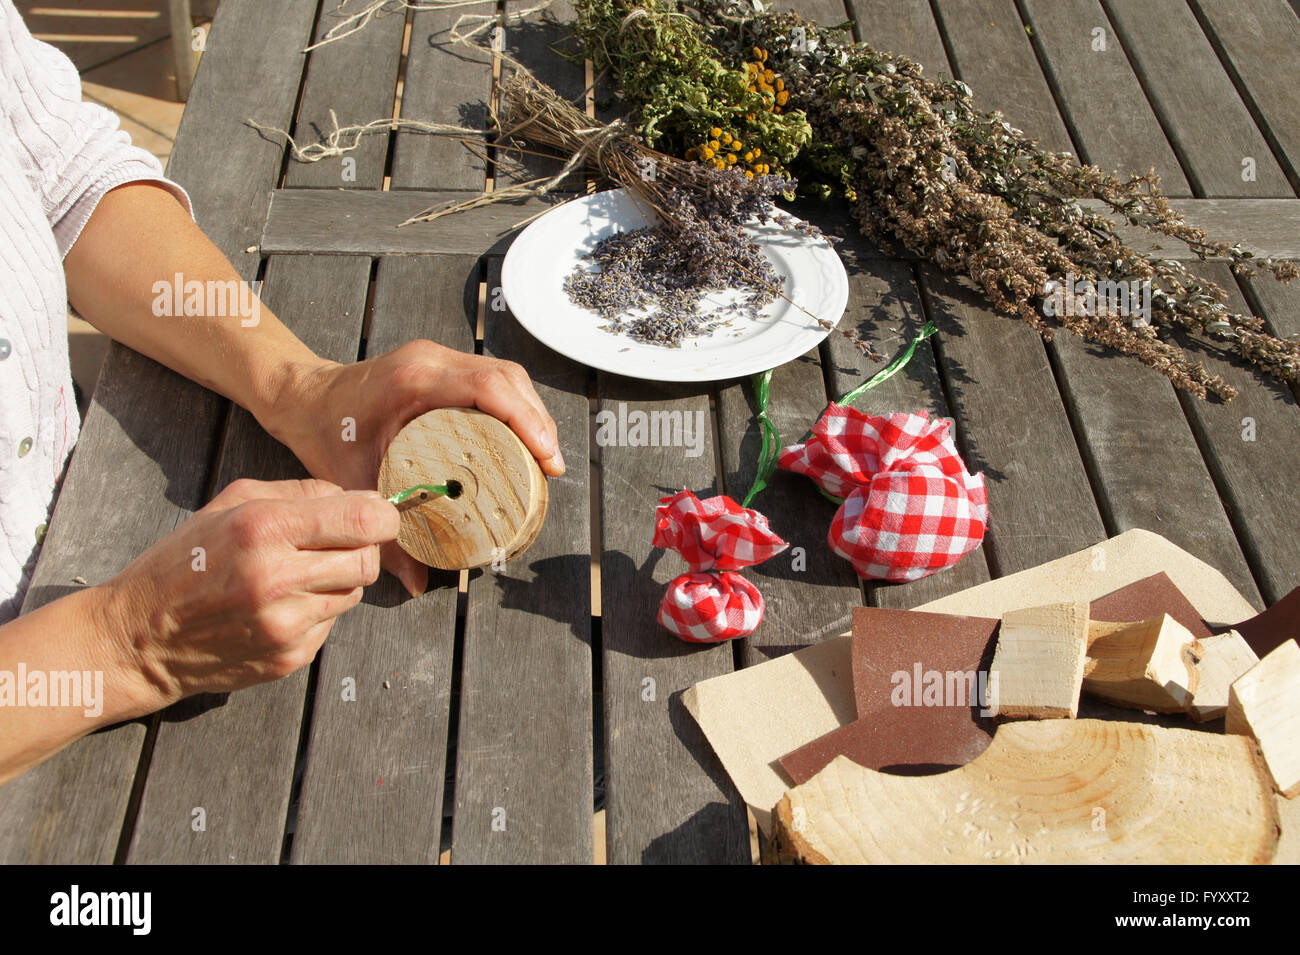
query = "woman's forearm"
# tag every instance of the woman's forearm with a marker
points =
(67, 669)
(145, 275)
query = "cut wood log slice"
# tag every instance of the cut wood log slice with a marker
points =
(1038, 665)
(1224, 658)
(1150, 665)
(500, 493)
(1049, 791)
(1265, 705)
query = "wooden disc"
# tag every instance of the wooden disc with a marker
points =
(502, 501)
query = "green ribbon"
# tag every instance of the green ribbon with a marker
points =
(762, 384)
(401, 496)
(883, 375)
(892, 369)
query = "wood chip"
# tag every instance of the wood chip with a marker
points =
(1224, 658)
(1149, 665)
(1039, 661)
(1265, 704)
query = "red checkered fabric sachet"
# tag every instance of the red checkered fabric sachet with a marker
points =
(715, 536)
(910, 507)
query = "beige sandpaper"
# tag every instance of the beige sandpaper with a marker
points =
(754, 716)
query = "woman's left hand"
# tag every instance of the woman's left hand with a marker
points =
(340, 419)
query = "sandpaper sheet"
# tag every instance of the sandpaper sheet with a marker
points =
(758, 714)
(901, 728)
(1267, 631)
(1149, 598)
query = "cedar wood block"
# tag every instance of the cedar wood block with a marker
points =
(1264, 703)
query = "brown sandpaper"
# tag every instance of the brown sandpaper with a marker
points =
(1148, 598)
(927, 664)
(919, 738)
(1267, 631)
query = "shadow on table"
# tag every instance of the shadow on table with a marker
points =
(714, 835)
(556, 588)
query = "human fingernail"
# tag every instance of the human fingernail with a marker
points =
(372, 494)
(549, 447)
(558, 458)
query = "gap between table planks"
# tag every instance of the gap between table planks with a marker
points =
(524, 749)
(375, 769)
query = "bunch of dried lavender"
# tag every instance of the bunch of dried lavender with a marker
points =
(960, 187)
(702, 210)
(651, 283)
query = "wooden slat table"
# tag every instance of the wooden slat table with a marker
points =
(499, 715)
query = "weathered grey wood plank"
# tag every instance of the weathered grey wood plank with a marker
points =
(1014, 428)
(1010, 421)
(1279, 304)
(236, 760)
(373, 782)
(1253, 38)
(524, 746)
(356, 78)
(886, 306)
(1204, 118)
(1263, 226)
(1105, 108)
(386, 788)
(906, 28)
(536, 42)
(244, 43)
(992, 54)
(1142, 458)
(367, 222)
(667, 797)
(1252, 447)
(71, 809)
(445, 82)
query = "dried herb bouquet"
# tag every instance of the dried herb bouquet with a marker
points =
(923, 167)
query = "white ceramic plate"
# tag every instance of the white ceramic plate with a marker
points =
(544, 254)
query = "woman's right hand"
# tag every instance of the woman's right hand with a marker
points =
(247, 589)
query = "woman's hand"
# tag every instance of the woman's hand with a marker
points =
(247, 589)
(340, 419)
